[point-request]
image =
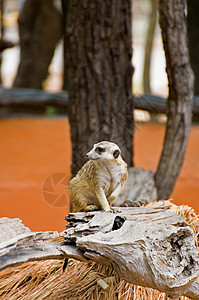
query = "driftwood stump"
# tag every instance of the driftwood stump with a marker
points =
(146, 246)
(151, 247)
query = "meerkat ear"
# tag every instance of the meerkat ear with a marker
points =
(116, 153)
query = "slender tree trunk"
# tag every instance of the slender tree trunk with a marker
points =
(99, 72)
(149, 44)
(40, 28)
(2, 34)
(64, 4)
(193, 32)
(180, 77)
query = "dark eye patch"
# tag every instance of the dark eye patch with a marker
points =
(99, 150)
(116, 153)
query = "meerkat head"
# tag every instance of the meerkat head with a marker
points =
(104, 151)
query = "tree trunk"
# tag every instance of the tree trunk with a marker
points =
(40, 29)
(64, 4)
(193, 33)
(149, 44)
(99, 69)
(180, 77)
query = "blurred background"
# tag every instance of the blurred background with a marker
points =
(53, 83)
(36, 148)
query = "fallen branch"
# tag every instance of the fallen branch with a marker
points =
(146, 246)
(156, 104)
(27, 99)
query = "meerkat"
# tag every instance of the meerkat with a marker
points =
(100, 180)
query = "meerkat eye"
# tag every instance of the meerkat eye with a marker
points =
(116, 153)
(99, 150)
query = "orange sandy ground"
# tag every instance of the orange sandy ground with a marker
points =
(32, 149)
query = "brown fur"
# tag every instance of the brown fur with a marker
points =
(94, 184)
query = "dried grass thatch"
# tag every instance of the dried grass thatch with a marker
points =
(46, 280)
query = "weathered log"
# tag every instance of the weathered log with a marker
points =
(156, 104)
(147, 246)
(18, 244)
(19, 98)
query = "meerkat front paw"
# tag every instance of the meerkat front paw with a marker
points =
(115, 209)
(91, 208)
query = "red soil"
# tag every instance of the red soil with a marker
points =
(149, 139)
(34, 151)
(31, 150)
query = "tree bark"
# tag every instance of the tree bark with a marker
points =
(193, 33)
(99, 72)
(180, 77)
(40, 28)
(64, 4)
(149, 44)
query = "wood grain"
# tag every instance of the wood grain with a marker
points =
(149, 246)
